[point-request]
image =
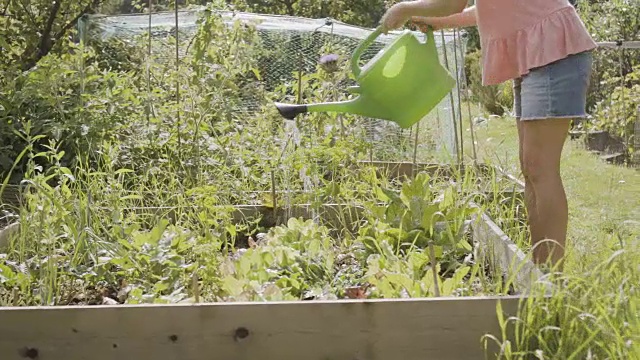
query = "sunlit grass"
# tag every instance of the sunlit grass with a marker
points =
(594, 313)
(604, 200)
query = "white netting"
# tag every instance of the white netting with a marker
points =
(300, 42)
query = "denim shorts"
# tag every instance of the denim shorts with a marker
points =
(556, 90)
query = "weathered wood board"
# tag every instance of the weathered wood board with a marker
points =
(503, 255)
(407, 329)
(400, 170)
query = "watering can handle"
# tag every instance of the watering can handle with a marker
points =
(355, 59)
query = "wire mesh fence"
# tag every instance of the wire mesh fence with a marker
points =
(295, 44)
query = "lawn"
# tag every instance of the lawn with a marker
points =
(604, 199)
(594, 313)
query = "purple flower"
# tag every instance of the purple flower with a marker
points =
(328, 58)
(329, 62)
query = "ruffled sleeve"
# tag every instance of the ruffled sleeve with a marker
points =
(556, 36)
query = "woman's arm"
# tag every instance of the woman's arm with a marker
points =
(401, 12)
(433, 8)
(466, 18)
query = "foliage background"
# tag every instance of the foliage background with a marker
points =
(41, 83)
(614, 97)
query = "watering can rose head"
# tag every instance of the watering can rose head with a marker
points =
(329, 62)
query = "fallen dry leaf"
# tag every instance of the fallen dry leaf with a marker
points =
(109, 301)
(356, 292)
(252, 243)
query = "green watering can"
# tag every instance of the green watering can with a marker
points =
(402, 83)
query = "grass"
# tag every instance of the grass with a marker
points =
(594, 312)
(603, 198)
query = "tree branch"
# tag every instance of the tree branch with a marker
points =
(29, 13)
(94, 4)
(47, 41)
(45, 38)
(6, 8)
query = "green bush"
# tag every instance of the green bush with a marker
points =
(94, 95)
(617, 112)
(610, 20)
(495, 99)
(75, 105)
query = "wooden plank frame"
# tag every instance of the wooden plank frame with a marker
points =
(501, 252)
(408, 329)
(399, 170)
(504, 256)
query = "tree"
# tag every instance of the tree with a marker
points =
(29, 30)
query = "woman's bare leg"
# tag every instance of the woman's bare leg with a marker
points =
(541, 152)
(529, 194)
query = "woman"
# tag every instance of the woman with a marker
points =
(545, 48)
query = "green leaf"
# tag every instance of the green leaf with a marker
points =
(131, 197)
(256, 73)
(400, 280)
(448, 200)
(6, 274)
(464, 244)
(244, 266)
(380, 195)
(160, 287)
(428, 216)
(124, 263)
(391, 195)
(152, 237)
(125, 244)
(232, 286)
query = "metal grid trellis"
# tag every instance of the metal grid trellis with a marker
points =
(299, 43)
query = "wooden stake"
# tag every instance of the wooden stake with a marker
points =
(625, 128)
(455, 53)
(178, 79)
(468, 98)
(453, 111)
(273, 192)
(195, 287)
(415, 149)
(149, 70)
(434, 269)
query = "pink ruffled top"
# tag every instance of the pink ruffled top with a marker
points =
(519, 35)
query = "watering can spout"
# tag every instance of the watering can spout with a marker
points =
(290, 111)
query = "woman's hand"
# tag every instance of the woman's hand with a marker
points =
(423, 23)
(466, 18)
(395, 17)
(438, 14)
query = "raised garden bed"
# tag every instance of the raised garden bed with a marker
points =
(610, 148)
(407, 170)
(10, 196)
(448, 327)
(443, 328)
